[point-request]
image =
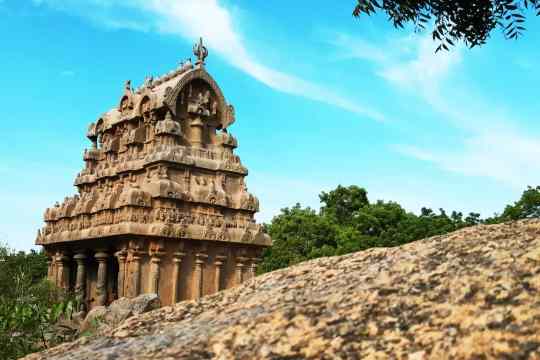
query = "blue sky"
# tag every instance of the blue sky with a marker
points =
(321, 98)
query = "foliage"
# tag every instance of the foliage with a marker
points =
(30, 307)
(342, 202)
(471, 21)
(528, 206)
(348, 222)
(301, 232)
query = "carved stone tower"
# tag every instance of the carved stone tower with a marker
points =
(162, 204)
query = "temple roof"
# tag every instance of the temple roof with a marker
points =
(160, 92)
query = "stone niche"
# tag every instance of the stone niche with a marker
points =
(162, 206)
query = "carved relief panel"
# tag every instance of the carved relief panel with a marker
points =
(197, 106)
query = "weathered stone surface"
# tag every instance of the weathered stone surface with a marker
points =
(101, 318)
(93, 318)
(471, 294)
(139, 305)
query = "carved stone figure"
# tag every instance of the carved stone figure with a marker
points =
(162, 205)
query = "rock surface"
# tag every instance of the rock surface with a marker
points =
(102, 318)
(472, 294)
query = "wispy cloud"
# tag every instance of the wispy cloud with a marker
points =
(351, 47)
(493, 146)
(185, 18)
(507, 157)
(425, 71)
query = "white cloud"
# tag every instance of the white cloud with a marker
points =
(426, 71)
(350, 47)
(415, 152)
(409, 62)
(207, 18)
(510, 158)
(493, 146)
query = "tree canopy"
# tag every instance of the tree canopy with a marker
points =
(470, 21)
(347, 222)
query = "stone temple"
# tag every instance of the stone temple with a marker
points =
(162, 206)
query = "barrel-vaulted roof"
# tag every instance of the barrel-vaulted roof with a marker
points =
(159, 93)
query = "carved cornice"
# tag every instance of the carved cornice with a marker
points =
(176, 231)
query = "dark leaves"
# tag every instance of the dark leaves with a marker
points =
(470, 21)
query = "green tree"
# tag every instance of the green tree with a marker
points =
(342, 202)
(348, 222)
(470, 21)
(298, 234)
(528, 206)
(29, 305)
(32, 267)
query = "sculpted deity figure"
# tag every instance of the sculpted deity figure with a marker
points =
(145, 108)
(200, 104)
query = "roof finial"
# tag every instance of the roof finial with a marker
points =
(200, 51)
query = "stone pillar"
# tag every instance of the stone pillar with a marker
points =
(54, 279)
(80, 281)
(62, 275)
(50, 268)
(199, 270)
(240, 265)
(135, 280)
(177, 262)
(155, 260)
(218, 262)
(101, 286)
(252, 271)
(121, 256)
(196, 137)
